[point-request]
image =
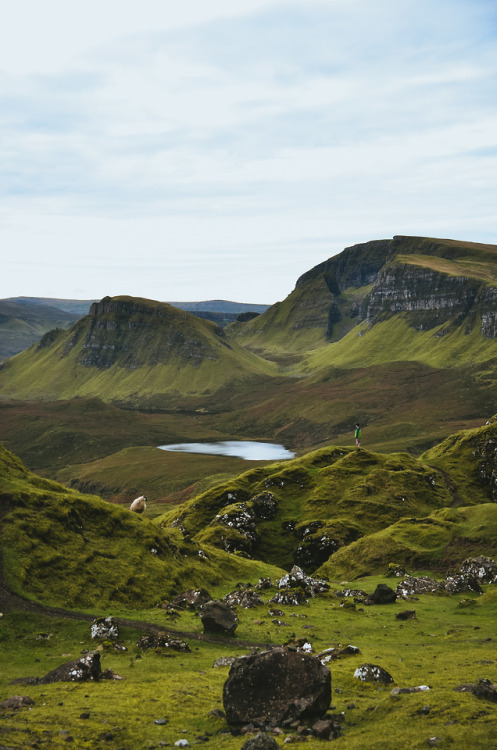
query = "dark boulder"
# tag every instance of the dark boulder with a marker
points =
(261, 742)
(406, 614)
(373, 673)
(79, 670)
(218, 617)
(482, 689)
(383, 594)
(276, 685)
(192, 599)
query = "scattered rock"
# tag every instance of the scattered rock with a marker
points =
(182, 743)
(261, 742)
(218, 617)
(290, 597)
(406, 614)
(79, 670)
(192, 599)
(162, 640)
(217, 713)
(383, 594)
(373, 673)
(263, 583)
(109, 674)
(161, 722)
(105, 628)
(338, 652)
(265, 506)
(275, 612)
(16, 702)
(434, 741)
(482, 689)
(224, 661)
(408, 690)
(354, 593)
(458, 584)
(326, 729)
(296, 578)
(423, 585)
(246, 598)
(276, 685)
(395, 570)
(484, 569)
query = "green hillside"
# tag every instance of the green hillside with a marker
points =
(132, 350)
(340, 507)
(65, 548)
(23, 323)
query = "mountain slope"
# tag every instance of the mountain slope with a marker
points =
(22, 323)
(433, 285)
(133, 350)
(75, 550)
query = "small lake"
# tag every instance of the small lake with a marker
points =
(246, 449)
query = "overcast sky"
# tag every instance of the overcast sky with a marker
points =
(219, 149)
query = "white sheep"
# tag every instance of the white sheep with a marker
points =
(139, 505)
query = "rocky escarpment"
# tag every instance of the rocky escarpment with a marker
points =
(135, 333)
(430, 297)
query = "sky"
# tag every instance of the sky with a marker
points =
(218, 150)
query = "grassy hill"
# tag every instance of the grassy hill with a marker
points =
(62, 547)
(353, 512)
(131, 350)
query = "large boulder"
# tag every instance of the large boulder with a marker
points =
(412, 585)
(79, 670)
(462, 583)
(383, 594)
(218, 617)
(277, 685)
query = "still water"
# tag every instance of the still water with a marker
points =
(249, 450)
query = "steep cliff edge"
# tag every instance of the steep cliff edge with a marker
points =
(429, 282)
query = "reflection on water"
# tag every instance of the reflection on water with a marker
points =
(249, 450)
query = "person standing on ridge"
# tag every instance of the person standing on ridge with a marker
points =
(357, 435)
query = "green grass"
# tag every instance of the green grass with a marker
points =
(443, 647)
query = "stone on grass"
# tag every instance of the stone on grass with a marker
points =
(246, 598)
(383, 594)
(408, 690)
(218, 617)
(162, 640)
(16, 702)
(373, 673)
(79, 670)
(484, 569)
(458, 584)
(105, 628)
(261, 742)
(412, 585)
(192, 599)
(406, 614)
(276, 685)
(482, 689)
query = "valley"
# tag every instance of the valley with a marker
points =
(397, 335)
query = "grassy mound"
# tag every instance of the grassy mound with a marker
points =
(74, 550)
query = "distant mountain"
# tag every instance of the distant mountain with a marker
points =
(23, 323)
(133, 350)
(426, 285)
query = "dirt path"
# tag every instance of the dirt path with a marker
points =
(12, 602)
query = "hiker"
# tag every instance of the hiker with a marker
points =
(357, 435)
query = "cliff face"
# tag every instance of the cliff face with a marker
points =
(430, 282)
(136, 333)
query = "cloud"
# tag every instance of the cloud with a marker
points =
(255, 129)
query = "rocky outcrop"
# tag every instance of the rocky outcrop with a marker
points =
(274, 686)
(79, 670)
(192, 599)
(134, 333)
